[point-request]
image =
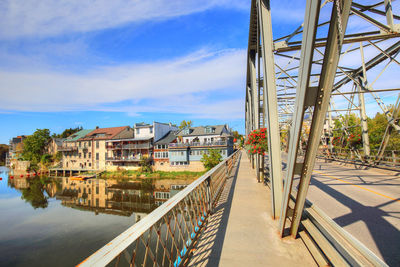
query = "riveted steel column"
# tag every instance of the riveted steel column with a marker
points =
(337, 28)
(309, 33)
(271, 111)
(256, 102)
(389, 14)
(363, 113)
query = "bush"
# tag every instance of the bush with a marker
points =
(46, 159)
(145, 164)
(212, 159)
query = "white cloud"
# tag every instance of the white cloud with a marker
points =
(204, 83)
(53, 17)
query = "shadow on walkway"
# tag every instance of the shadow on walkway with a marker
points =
(209, 247)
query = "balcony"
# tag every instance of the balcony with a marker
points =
(130, 146)
(124, 159)
(68, 148)
(198, 144)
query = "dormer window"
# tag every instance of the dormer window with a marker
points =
(210, 130)
(186, 131)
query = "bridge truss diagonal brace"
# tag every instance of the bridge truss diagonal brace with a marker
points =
(327, 78)
(309, 35)
(271, 104)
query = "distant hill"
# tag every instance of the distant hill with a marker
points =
(3, 153)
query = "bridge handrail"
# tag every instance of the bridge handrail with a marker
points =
(208, 186)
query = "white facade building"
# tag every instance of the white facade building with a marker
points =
(156, 130)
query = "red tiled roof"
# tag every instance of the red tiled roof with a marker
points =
(109, 133)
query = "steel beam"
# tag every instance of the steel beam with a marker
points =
(306, 58)
(363, 113)
(336, 32)
(271, 111)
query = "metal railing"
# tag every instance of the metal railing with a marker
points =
(389, 158)
(68, 148)
(124, 158)
(130, 146)
(167, 235)
(194, 144)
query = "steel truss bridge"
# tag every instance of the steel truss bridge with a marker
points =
(341, 60)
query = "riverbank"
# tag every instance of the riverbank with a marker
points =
(125, 174)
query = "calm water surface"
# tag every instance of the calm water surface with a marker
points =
(59, 221)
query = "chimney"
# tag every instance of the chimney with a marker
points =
(97, 127)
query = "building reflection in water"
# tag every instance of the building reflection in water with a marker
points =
(116, 197)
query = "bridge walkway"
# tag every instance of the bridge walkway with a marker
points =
(241, 231)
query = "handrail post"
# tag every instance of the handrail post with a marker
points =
(208, 184)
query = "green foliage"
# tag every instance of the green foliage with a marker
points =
(131, 174)
(35, 145)
(185, 124)
(3, 153)
(145, 164)
(33, 167)
(46, 159)
(57, 156)
(347, 134)
(67, 132)
(34, 194)
(211, 159)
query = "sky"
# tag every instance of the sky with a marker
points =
(70, 63)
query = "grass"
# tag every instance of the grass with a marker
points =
(157, 174)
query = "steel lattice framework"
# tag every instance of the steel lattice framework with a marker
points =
(341, 60)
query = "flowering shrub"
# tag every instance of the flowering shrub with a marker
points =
(256, 142)
(354, 140)
(338, 141)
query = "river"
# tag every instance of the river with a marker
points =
(49, 221)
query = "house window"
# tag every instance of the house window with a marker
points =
(84, 155)
(181, 153)
(80, 155)
(151, 130)
(97, 156)
(90, 155)
(80, 144)
(97, 144)
(97, 190)
(138, 131)
(90, 144)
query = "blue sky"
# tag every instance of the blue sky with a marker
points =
(111, 63)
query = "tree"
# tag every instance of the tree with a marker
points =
(67, 132)
(185, 124)
(145, 164)
(35, 145)
(34, 194)
(212, 159)
(3, 153)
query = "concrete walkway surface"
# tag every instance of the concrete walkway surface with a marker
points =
(241, 231)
